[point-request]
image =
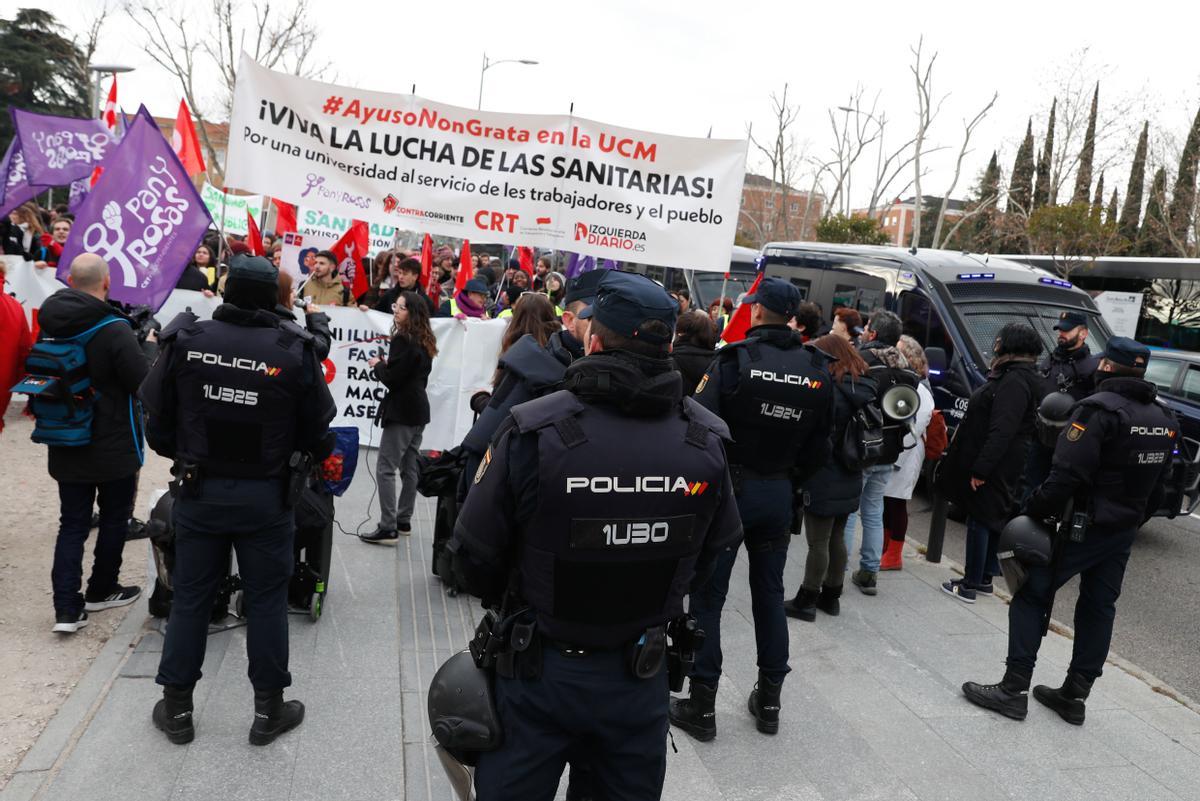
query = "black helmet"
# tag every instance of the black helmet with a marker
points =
(1024, 543)
(462, 713)
(1053, 414)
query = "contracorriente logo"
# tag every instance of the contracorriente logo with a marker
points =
(602, 485)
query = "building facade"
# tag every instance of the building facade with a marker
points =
(772, 211)
(897, 220)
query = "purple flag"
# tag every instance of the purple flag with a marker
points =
(59, 150)
(587, 264)
(144, 217)
(79, 190)
(14, 184)
(572, 268)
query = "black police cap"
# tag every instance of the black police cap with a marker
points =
(583, 287)
(253, 268)
(1068, 320)
(1127, 352)
(625, 301)
(777, 295)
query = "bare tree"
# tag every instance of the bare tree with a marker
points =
(94, 26)
(784, 157)
(850, 142)
(888, 168)
(969, 128)
(174, 35)
(927, 112)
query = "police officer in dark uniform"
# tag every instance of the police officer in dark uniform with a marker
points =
(240, 404)
(1110, 463)
(598, 506)
(777, 397)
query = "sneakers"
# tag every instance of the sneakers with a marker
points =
(696, 714)
(121, 596)
(1010, 697)
(380, 536)
(404, 529)
(68, 623)
(959, 589)
(803, 606)
(985, 589)
(865, 581)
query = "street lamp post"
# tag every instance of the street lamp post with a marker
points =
(489, 64)
(99, 70)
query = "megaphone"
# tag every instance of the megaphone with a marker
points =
(900, 403)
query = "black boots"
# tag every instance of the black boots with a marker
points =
(173, 715)
(828, 601)
(1067, 700)
(696, 714)
(764, 704)
(273, 716)
(803, 606)
(1010, 697)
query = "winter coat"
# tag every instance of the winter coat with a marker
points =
(907, 468)
(117, 364)
(833, 490)
(192, 278)
(692, 361)
(991, 443)
(405, 373)
(15, 341)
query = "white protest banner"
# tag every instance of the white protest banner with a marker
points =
(29, 285)
(552, 181)
(318, 223)
(236, 208)
(1121, 310)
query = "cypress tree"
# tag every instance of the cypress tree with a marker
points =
(1152, 237)
(1083, 177)
(982, 233)
(1098, 199)
(1183, 199)
(1041, 190)
(1110, 214)
(1131, 212)
(1020, 188)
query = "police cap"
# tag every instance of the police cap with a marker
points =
(624, 301)
(1069, 319)
(253, 268)
(776, 295)
(583, 286)
(1127, 352)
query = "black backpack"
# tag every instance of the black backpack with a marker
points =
(862, 442)
(893, 431)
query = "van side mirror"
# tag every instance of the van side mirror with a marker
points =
(938, 364)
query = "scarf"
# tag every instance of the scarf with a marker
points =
(468, 307)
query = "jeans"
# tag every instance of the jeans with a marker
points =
(1100, 562)
(826, 561)
(981, 562)
(115, 499)
(870, 509)
(765, 507)
(399, 448)
(251, 515)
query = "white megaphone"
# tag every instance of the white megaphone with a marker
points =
(900, 402)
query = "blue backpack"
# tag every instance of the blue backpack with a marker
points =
(60, 390)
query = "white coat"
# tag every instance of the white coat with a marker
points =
(907, 468)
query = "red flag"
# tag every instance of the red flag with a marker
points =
(427, 274)
(465, 269)
(351, 249)
(110, 106)
(525, 260)
(739, 323)
(285, 219)
(185, 143)
(253, 237)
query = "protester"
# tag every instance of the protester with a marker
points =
(508, 299)
(540, 271)
(684, 299)
(324, 286)
(847, 324)
(719, 311)
(532, 314)
(555, 286)
(15, 341)
(695, 343)
(471, 302)
(520, 278)
(315, 320)
(275, 254)
(60, 229)
(907, 469)
(29, 235)
(405, 276)
(105, 470)
(982, 471)
(403, 414)
(833, 491)
(808, 322)
(197, 275)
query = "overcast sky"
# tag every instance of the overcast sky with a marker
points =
(683, 67)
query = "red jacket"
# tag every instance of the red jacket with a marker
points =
(15, 342)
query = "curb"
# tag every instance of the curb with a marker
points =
(52, 747)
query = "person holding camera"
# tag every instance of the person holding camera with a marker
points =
(240, 404)
(403, 414)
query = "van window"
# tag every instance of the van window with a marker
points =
(1191, 384)
(984, 320)
(1162, 372)
(921, 321)
(860, 298)
(803, 285)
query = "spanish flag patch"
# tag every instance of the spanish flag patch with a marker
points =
(1075, 432)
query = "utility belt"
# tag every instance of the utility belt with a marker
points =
(190, 477)
(513, 648)
(739, 473)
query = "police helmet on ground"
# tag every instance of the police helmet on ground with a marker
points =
(462, 713)
(1024, 543)
(1053, 414)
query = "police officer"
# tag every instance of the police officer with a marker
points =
(234, 401)
(1111, 462)
(600, 505)
(777, 398)
(1069, 368)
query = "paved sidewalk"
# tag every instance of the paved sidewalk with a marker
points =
(872, 709)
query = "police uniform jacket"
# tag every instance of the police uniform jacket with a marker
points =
(1112, 458)
(610, 499)
(991, 443)
(405, 373)
(1073, 369)
(237, 394)
(777, 397)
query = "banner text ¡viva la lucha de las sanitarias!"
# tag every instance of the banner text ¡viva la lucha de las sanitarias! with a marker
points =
(552, 181)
